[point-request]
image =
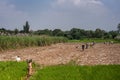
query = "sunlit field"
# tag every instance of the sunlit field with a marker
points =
(13, 70)
(75, 72)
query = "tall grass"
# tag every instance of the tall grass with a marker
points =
(11, 42)
(13, 70)
(75, 72)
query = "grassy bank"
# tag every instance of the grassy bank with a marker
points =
(74, 72)
(13, 42)
(13, 70)
(96, 40)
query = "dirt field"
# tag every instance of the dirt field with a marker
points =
(64, 53)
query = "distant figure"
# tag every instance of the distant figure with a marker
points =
(83, 47)
(93, 43)
(86, 45)
(18, 59)
(104, 42)
(29, 61)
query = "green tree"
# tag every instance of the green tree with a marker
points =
(99, 33)
(3, 30)
(57, 32)
(68, 35)
(26, 27)
(90, 34)
(107, 35)
(44, 32)
(47, 32)
(113, 34)
(118, 27)
(16, 31)
(77, 33)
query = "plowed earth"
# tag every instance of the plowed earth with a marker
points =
(63, 53)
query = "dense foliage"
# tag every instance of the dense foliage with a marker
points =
(74, 33)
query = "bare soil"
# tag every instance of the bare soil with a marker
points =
(63, 53)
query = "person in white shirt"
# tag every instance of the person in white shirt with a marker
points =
(18, 59)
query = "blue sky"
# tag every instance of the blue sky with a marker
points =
(62, 14)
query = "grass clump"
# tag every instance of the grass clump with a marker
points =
(13, 70)
(75, 72)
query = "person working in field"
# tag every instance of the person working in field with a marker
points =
(18, 59)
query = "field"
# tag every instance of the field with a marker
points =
(75, 72)
(13, 70)
(100, 62)
(18, 71)
(63, 53)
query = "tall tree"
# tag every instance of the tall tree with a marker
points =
(113, 34)
(90, 34)
(26, 27)
(118, 28)
(77, 33)
(99, 33)
(16, 31)
(44, 32)
(58, 32)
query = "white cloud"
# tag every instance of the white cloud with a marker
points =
(95, 7)
(60, 1)
(79, 2)
(98, 2)
(89, 14)
(76, 2)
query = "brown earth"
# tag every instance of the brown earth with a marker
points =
(63, 53)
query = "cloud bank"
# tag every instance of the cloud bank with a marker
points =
(63, 14)
(79, 2)
(86, 14)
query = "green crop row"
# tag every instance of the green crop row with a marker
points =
(76, 72)
(13, 70)
(13, 42)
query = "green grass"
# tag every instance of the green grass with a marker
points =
(13, 42)
(75, 72)
(13, 70)
(95, 40)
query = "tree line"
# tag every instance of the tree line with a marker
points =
(74, 33)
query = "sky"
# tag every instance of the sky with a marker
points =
(60, 14)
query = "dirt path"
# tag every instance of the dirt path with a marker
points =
(64, 53)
